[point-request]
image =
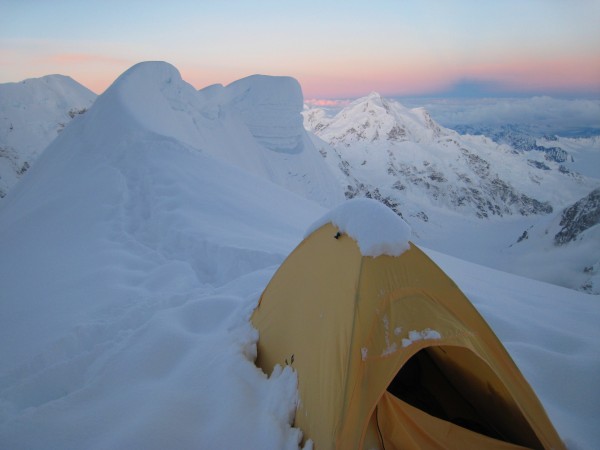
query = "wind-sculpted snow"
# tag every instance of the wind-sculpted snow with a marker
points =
(270, 107)
(254, 123)
(158, 99)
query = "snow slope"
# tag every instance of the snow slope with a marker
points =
(32, 113)
(549, 332)
(571, 237)
(584, 153)
(131, 261)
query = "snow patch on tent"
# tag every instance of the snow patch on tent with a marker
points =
(376, 228)
(414, 336)
(390, 347)
(364, 353)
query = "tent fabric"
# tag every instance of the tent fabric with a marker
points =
(400, 425)
(349, 323)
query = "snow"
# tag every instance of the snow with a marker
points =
(414, 336)
(133, 256)
(380, 142)
(32, 113)
(271, 107)
(585, 153)
(374, 227)
(364, 353)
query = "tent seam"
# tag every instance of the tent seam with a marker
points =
(352, 339)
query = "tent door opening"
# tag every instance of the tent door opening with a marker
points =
(452, 384)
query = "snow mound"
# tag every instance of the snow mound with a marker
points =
(375, 227)
(154, 95)
(254, 124)
(271, 108)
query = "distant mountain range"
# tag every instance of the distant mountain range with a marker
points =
(402, 155)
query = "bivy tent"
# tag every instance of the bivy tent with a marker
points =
(389, 353)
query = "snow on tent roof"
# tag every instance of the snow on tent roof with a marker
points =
(376, 228)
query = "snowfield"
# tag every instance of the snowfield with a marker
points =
(135, 249)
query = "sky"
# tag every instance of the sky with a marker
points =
(336, 49)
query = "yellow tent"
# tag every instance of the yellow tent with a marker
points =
(391, 354)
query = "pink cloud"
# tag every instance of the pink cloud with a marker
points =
(327, 103)
(423, 75)
(83, 58)
(95, 71)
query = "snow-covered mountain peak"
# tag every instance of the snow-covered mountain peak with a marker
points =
(374, 95)
(32, 113)
(63, 86)
(371, 102)
(372, 119)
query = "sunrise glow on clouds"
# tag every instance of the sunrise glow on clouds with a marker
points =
(336, 49)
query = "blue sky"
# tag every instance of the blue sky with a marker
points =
(335, 49)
